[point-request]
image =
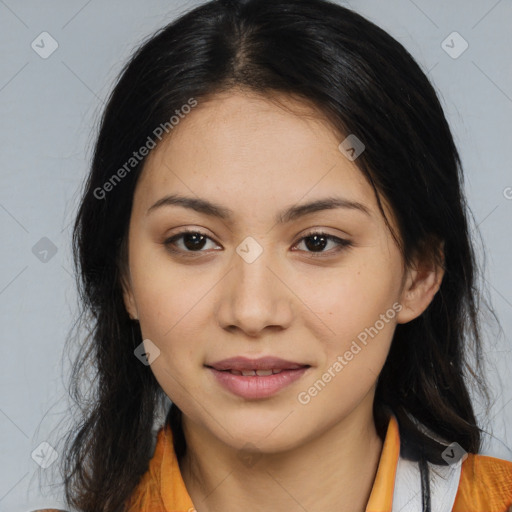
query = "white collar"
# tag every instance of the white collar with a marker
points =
(444, 483)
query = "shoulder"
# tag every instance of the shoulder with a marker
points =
(485, 484)
(484, 469)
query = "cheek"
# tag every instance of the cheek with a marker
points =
(163, 293)
(170, 302)
(354, 352)
(357, 309)
(170, 312)
(353, 298)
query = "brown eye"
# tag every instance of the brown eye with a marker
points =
(316, 243)
(192, 241)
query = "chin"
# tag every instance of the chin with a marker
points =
(256, 432)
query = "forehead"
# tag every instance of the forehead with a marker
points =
(253, 152)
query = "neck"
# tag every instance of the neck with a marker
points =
(333, 471)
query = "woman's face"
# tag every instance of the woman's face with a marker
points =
(255, 285)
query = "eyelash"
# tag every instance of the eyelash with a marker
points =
(342, 243)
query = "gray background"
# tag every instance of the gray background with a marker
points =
(48, 108)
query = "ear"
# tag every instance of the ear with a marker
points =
(125, 280)
(421, 282)
(129, 300)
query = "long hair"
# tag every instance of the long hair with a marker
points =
(365, 83)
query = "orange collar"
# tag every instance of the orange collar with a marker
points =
(381, 497)
(163, 485)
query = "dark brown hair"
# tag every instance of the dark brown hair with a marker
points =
(365, 83)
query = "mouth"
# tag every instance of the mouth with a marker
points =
(256, 378)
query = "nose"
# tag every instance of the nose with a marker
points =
(255, 296)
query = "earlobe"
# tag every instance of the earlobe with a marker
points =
(421, 284)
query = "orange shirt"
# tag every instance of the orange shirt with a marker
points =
(485, 483)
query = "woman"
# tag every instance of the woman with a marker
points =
(274, 235)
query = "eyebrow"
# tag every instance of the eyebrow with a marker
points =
(287, 215)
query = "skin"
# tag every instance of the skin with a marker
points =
(257, 158)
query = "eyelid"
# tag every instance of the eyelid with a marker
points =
(315, 230)
(342, 243)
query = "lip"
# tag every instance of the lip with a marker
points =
(253, 387)
(261, 363)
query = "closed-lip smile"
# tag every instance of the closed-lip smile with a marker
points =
(256, 378)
